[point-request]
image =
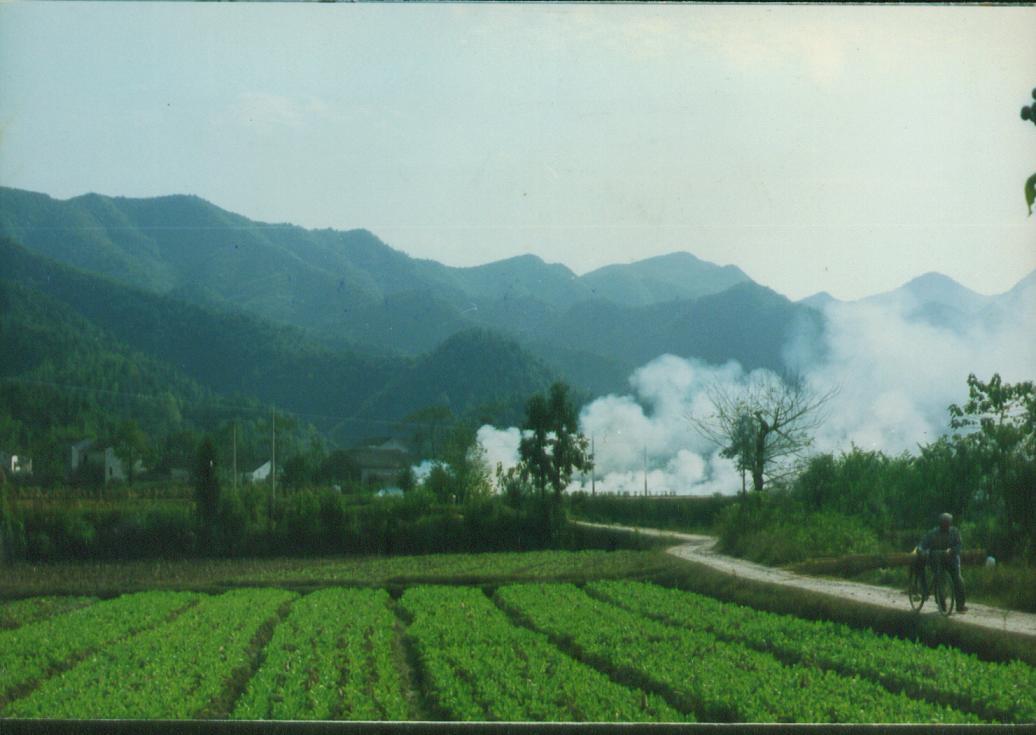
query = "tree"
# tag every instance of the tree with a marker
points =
(465, 460)
(552, 448)
(339, 468)
(1029, 113)
(298, 472)
(762, 423)
(742, 445)
(206, 485)
(998, 422)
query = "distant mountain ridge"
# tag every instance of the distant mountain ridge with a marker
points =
(672, 277)
(335, 283)
(352, 295)
(940, 301)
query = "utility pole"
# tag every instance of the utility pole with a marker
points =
(235, 456)
(593, 467)
(645, 472)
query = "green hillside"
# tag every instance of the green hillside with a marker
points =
(747, 323)
(63, 379)
(476, 371)
(198, 353)
(228, 352)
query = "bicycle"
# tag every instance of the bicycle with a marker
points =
(941, 585)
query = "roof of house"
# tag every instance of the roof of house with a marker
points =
(392, 443)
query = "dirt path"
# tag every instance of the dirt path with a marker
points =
(700, 549)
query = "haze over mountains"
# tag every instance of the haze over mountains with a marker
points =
(333, 323)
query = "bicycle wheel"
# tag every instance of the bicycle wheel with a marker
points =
(944, 592)
(914, 591)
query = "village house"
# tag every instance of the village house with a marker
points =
(381, 462)
(260, 473)
(98, 454)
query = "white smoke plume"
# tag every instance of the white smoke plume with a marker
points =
(421, 471)
(500, 446)
(895, 375)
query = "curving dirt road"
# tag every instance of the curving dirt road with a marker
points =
(700, 549)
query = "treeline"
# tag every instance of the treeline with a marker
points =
(307, 522)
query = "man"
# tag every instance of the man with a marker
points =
(945, 539)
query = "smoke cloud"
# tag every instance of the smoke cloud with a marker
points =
(895, 367)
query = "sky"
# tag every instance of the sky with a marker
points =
(846, 149)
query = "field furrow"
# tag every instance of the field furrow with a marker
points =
(718, 680)
(34, 651)
(331, 658)
(477, 665)
(22, 612)
(177, 670)
(1006, 692)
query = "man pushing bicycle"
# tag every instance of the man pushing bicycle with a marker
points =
(944, 539)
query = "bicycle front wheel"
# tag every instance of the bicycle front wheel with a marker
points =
(944, 592)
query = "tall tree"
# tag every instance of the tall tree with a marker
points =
(763, 422)
(552, 448)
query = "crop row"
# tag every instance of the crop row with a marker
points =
(36, 650)
(526, 565)
(719, 680)
(21, 612)
(180, 669)
(1005, 692)
(330, 659)
(479, 666)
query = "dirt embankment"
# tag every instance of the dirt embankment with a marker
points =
(701, 549)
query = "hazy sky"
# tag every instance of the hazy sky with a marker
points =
(840, 148)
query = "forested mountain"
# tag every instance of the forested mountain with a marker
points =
(472, 371)
(347, 289)
(100, 329)
(63, 378)
(747, 323)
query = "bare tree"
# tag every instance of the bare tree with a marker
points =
(762, 423)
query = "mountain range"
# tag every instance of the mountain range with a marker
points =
(354, 335)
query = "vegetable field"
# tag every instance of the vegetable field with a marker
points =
(609, 651)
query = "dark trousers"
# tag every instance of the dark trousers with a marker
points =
(952, 565)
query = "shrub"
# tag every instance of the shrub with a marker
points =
(782, 532)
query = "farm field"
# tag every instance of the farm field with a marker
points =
(610, 650)
(109, 578)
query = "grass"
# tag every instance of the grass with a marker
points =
(211, 575)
